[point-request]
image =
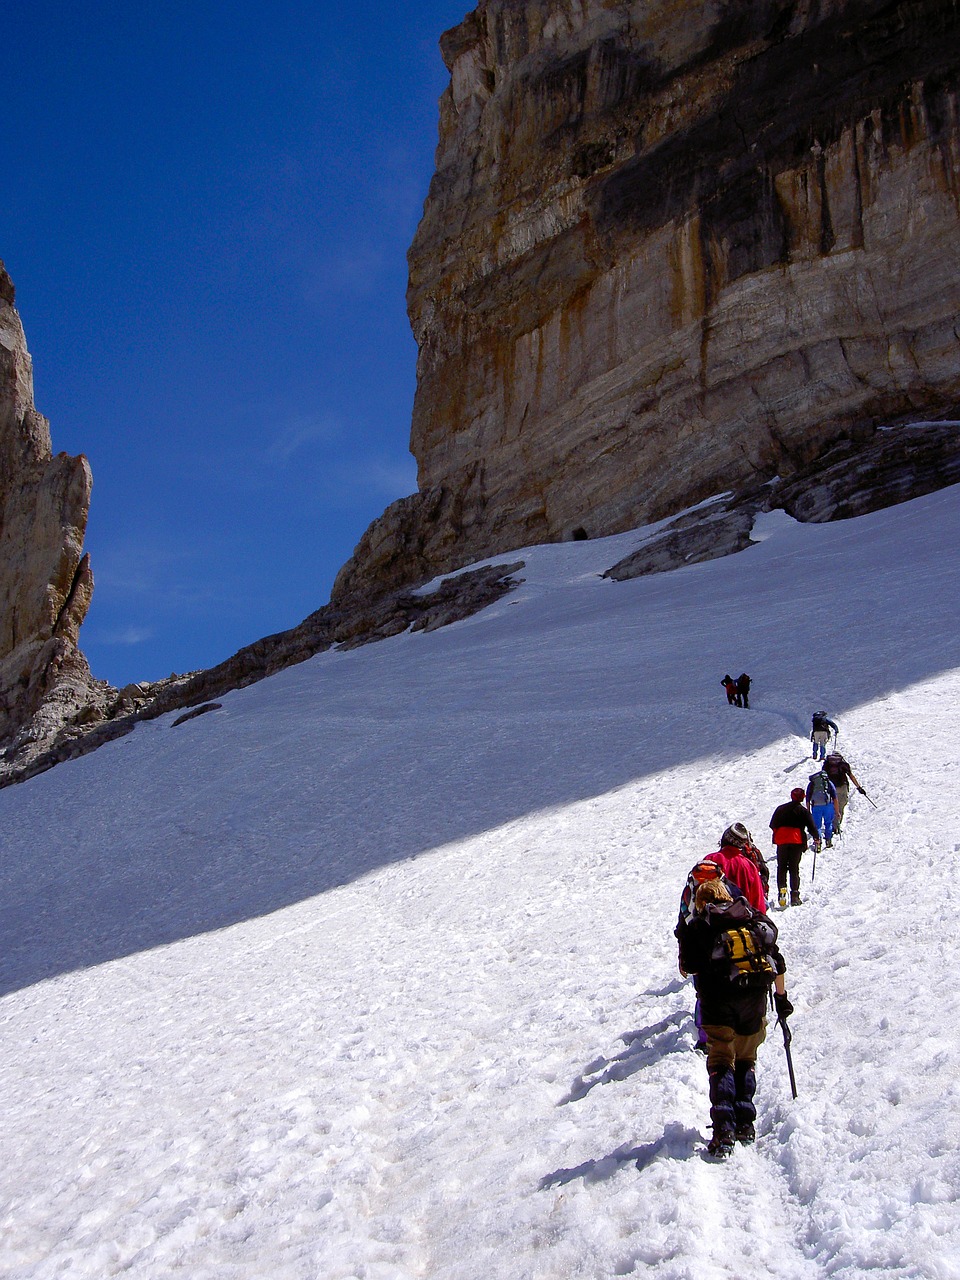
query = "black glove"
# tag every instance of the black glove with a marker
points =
(783, 1006)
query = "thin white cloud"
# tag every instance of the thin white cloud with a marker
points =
(301, 433)
(355, 272)
(379, 476)
(124, 636)
(165, 576)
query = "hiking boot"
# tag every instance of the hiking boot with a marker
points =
(796, 900)
(721, 1144)
(828, 844)
(783, 899)
(746, 1134)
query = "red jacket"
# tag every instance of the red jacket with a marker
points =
(743, 873)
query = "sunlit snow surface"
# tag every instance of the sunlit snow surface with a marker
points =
(371, 973)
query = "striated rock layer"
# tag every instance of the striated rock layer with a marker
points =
(671, 249)
(45, 578)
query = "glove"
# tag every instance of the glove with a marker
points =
(861, 790)
(783, 1006)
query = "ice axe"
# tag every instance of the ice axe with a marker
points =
(787, 1037)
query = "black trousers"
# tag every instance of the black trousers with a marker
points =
(788, 863)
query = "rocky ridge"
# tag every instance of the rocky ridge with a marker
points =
(345, 626)
(45, 579)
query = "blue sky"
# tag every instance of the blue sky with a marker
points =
(206, 213)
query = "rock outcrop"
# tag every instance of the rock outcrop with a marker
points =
(848, 480)
(347, 626)
(669, 250)
(45, 578)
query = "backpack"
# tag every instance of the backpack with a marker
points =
(820, 723)
(743, 952)
(819, 789)
(751, 852)
(835, 767)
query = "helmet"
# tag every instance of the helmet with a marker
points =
(797, 793)
(737, 835)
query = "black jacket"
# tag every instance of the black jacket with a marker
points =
(794, 814)
(722, 1003)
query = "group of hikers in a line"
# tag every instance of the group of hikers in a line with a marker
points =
(728, 944)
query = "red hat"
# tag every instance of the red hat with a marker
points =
(706, 870)
(797, 793)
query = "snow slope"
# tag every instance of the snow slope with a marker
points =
(371, 973)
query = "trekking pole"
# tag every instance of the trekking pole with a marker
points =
(813, 874)
(866, 797)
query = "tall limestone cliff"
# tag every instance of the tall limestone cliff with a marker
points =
(45, 578)
(671, 249)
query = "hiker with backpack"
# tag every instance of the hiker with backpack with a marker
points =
(730, 685)
(821, 797)
(820, 734)
(742, 863)
(743, 690)
(731, 950)
(700, 873)
(791, 824)
(841, 775)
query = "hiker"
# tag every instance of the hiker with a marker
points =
(791, 824)
(740, 866)
(821, 797)
(737, 839)
(702, 871)
(820, 734)
(841, 775)
(743, 690)
(733, 1002)
(730, 685)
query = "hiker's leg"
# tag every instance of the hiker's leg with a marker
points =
(745, 1077)
(720, 1073)
(783, 864)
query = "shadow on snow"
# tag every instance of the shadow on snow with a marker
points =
(676, 1143)
(352, 762)
(666, 1038)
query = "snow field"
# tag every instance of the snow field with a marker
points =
(371, 974)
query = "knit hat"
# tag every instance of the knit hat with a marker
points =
(736, 834)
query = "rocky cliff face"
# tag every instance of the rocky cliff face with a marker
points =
(671, 249)
(45, 578)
